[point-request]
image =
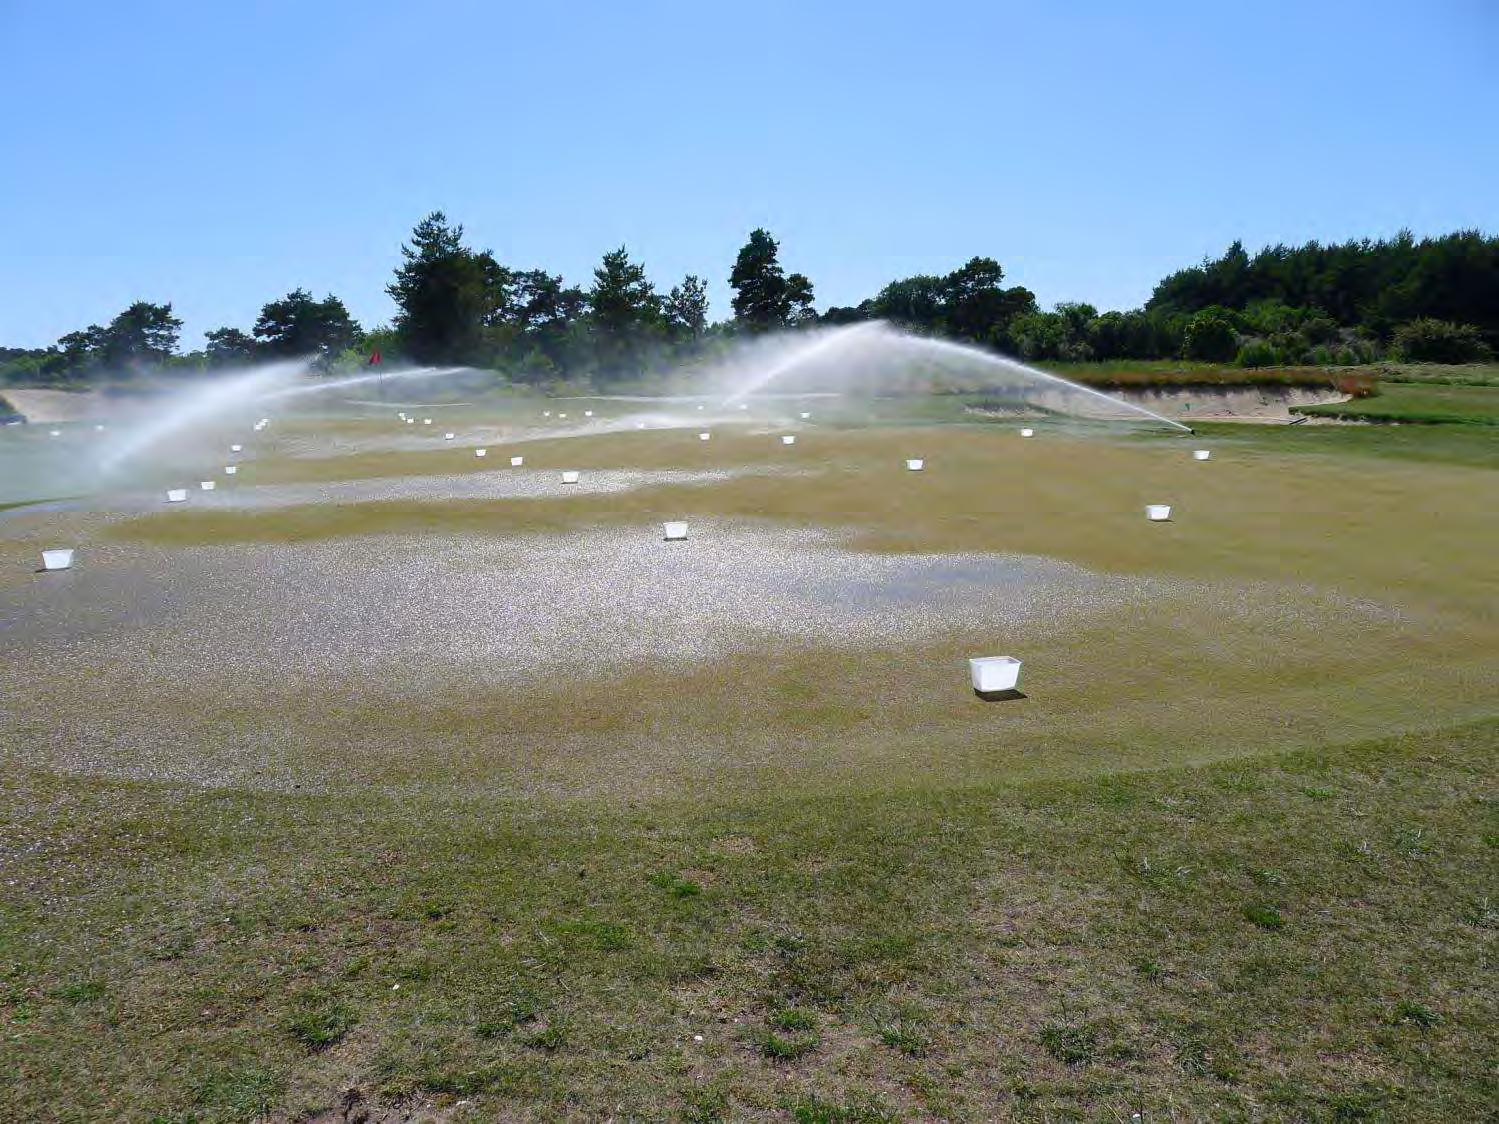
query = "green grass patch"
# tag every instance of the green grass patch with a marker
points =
(1420, 404)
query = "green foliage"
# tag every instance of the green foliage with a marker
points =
(1210, 336)
(764, 296)
(297, 326)
(624, 315)
(445, 293)
(1265, 917)
(228, 346)
(1257, 353)
(1440, 341)
(686, 309)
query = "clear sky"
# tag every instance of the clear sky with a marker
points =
(217, 155)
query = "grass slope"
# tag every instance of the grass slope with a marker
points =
(1429, 404)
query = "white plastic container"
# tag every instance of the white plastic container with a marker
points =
(449, 436)
(588, 413)
(426, 421)
(1027, 433)
(570, 477)
(788, 439)
(994, 673)
(516, 462)
(705, 437)
(481, 452)
(675, 532)
(263, 422)
(805, 415)
(59, 559)
(230, 470)
(410, 421)
(546, 413)
(236, 448)
(176, 495)
(1201, 454)
(916, 464)
(1158, 512)
(207, 485)
(562, 415)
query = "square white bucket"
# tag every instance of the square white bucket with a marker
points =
(176, 495)
(675, 531)
(1027, 433)
(788, 439)
(449, 436)
(916, 464)
(230, 470)
(569, 477)
(705, 437)
(236, 448)
(59, 559)
(516, 462)
(410, 421)
(1201, 454)
(207, 485)
(426, 421)
(1158, 512)
(994, 673)
(481, 452)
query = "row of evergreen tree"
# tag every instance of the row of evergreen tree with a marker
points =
(1435, 300)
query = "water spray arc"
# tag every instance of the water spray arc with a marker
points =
(865, 351)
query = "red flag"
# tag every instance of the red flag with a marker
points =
(375, 358)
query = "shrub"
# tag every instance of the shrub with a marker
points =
(1440, 341)
(1258, 353)
(1210, 337)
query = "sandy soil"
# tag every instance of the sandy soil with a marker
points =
(44, 406)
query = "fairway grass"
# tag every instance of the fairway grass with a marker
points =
(1305, 937)
(1230, 856)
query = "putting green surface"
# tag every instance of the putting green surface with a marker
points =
(395, 774)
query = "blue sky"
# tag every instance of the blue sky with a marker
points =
(217, 155)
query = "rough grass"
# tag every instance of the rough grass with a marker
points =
(1066, 950)
(1425, 403)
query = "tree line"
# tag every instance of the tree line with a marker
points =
(1342, 304)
